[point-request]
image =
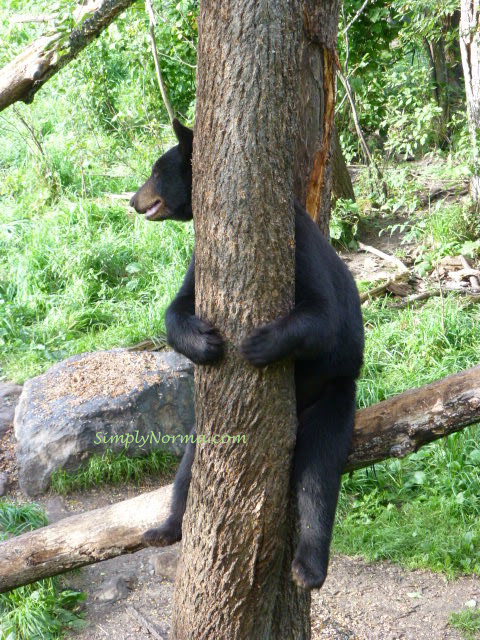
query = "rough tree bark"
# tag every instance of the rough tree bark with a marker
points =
(316, 108)
(21, 78)
(394, 427)
(470, 49)
(234, 529)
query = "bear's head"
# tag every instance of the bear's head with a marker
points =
(167, 194)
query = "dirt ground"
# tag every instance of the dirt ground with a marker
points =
(359, 601)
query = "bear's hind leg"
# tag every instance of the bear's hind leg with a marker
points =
(323, 442)
(170, 531)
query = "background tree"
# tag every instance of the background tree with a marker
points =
(470, 47)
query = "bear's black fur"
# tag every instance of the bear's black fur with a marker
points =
(324, 335)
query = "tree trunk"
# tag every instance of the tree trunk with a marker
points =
(439, 72)
(394, 427)
(21, 78)
(316, 109)
(342, 186)
(469, 46)
(234, 529)
(446, 71)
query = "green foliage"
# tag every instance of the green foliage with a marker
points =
(392, 77)
(468, 622)
(113, 468)
(410, 112)
(39, 610)
(447, 229)
(344, 221)
(42, 609)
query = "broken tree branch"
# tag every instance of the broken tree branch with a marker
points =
(21, 78)
(395, 427)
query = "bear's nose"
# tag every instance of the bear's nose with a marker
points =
(132, 201)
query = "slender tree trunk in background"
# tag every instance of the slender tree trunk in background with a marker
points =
(470, 48)
(454, 58)
(342, 186)
(438, 67)
(235, 528)
(446, 71)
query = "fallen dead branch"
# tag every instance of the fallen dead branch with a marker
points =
(395, 427)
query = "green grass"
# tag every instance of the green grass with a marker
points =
(114, 468)
(467, 622)
(423, 511)
(17, 519)
(79, 271)
(40, 610)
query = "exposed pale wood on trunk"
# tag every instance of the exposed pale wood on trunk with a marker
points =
(321, 158)
(21, 78)
(395, 427)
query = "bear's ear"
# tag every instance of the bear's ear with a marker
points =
(184, 137)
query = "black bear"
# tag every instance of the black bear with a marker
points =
(324, 335)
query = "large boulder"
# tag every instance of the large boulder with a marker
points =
(119, 399)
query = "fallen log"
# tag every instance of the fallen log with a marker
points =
(21, 78)
(392, 428)
(402, 424)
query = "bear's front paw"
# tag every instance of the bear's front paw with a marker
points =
(205, 344)
(261, 347)
(163, 536)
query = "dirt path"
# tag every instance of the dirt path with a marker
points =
(359, 601)
(362, 601)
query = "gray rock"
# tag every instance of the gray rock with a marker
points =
(55, 510)
(136, 401)
(9, 394)
(165, 562)
(115, 588)
(3, 483)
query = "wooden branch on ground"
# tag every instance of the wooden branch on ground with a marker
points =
(41, 17)
(440, 192)
(417, 297)
(21, 78)
(392, 428)
(379, 289)
(473, 278)
(139, 617)
(384, 256)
